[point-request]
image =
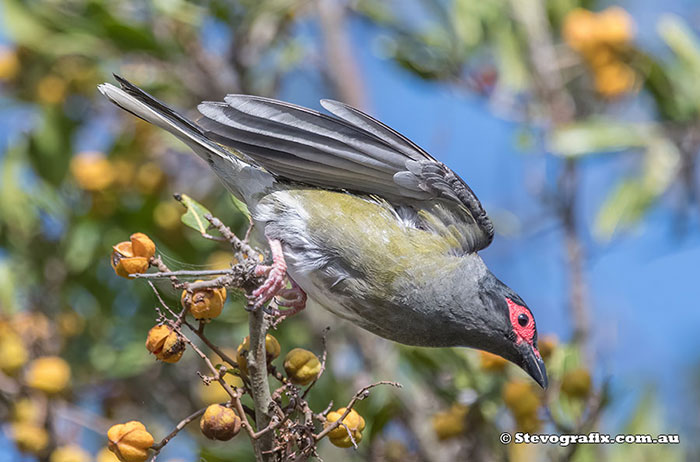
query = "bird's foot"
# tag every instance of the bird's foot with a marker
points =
(276, 274)
(293, 299)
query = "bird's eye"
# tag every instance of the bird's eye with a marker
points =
(523, 320)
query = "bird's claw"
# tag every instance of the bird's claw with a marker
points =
(275, 280)
(294, 298)
(271, 287)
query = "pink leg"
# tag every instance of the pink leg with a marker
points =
(275, 275)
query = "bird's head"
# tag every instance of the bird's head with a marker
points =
(512, 331)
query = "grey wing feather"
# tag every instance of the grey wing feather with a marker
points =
(352, 151)
(371, 125)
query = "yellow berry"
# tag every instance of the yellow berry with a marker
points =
(585, 31)
(13, 354)
(130, 441)
(614, 79)
(615, 26)
(165, 344)
(339, 436)
(529, 423)
(49, 374)
(576, 383)
(302, 366)
(51, 89)
(547, 345)
(26, 410)
(450, 423)
(149, 177)
(579, 29)
(9, 63)
(92, 171)
(69, 453)
(204, 303)
(219, 423)
(520, 398)
(105, 455)
(167, 215)
(30, 438)
(491, 362)
(70, 323)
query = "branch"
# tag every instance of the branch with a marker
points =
(342, 69)
(260, 387)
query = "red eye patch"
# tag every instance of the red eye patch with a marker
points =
(522, 321)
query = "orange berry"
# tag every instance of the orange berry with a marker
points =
(165, 344)
(142, 245)
(204, 303)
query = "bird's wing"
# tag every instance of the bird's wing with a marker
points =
(351, 151)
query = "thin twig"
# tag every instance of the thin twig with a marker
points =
(323, 361)
(160, 299)
(200, 333)
(182, 424)
(360, 395)
(237, 244)
(235, 397)
(185, 273)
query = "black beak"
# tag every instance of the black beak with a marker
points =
(532, 364)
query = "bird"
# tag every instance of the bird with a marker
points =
(359, 219)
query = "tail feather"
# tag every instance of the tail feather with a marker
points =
(136, 101)
(244, 180)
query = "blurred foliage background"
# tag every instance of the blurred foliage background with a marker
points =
(77, 176)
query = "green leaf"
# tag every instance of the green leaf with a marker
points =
(633, 197)
(682, 72)
(513, 74)
(598, 135)
(240, 205)
(678, 36)
(21, 25)
(81, 246)
(194, 217)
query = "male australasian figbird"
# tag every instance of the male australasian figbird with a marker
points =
(359, 218)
